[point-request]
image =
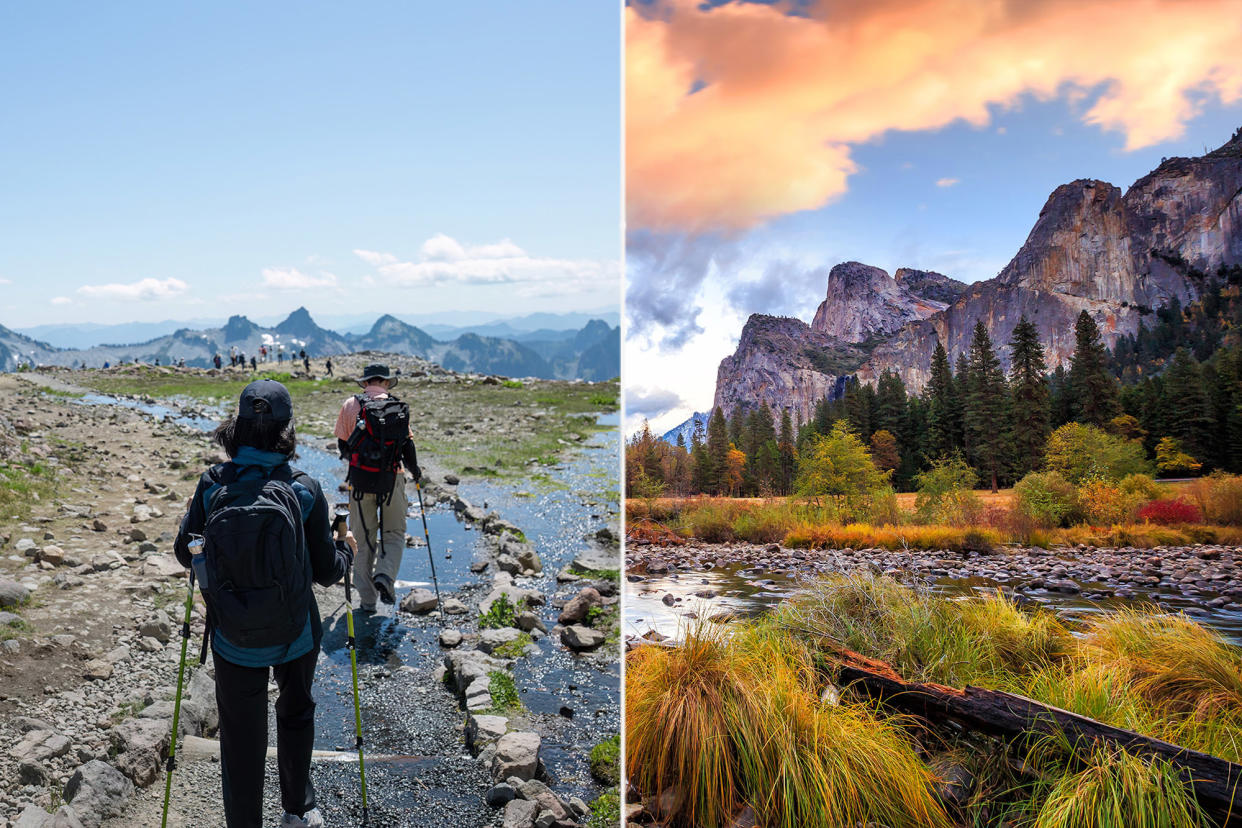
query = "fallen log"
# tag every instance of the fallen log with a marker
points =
(1216, 783)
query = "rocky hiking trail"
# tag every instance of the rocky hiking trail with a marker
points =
(488, 721)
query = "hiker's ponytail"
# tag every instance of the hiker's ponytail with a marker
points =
(264, 434)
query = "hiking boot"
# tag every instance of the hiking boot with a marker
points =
(383, 585)
(310, 819)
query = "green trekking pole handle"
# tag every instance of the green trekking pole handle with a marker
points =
(351, 645)
(176, 721)
(422, 510)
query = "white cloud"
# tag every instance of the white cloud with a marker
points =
(144, 290)
(947, 182)
(61, 300)
(290, 278)
(4, 281)
(443, 260)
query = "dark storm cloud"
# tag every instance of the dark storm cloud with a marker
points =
(665, 273)
(785, 289)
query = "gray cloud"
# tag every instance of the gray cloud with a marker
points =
(785, 288)
(651, 402)
(665, 272)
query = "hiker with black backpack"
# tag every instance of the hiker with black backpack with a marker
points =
(373, 434)
(266, 536)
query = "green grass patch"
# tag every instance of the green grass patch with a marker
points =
(606, 761)
(605, 811)
(504, 692)
(21, 484)
(512, 383)
(152, 382)
(62, 393)
(499, 615)
(515, 648)
(18, 629)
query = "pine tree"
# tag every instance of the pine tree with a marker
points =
(1189, 407)
(788, 455)
(1093, 387)
(1060, 399)
(1028, 387)
(985, 406)
(938, 395)
(716, 480)
(961, 389)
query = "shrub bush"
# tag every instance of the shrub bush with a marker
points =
(1104, 503)
(1219, 496)
(945, 493)
(1170, 512)
(1081, 451)
(1046, 498)
(1141, 485)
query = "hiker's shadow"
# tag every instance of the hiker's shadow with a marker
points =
(376, 636)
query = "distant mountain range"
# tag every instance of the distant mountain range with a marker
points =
(444, 326)
(591, 353)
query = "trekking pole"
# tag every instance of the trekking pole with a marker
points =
(422, 510)
(338, 521)
(196, 544)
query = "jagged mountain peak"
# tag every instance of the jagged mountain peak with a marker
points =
(863, 302)
(237, 328)
(299, 323)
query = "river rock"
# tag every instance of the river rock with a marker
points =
(97, 791)
(484, 730)
(36, 817)
(454, 606)
(598, 559)
(450, 638)
(519, 814)
(490, 640)
(500, 795)
(12, 594)
(580, 638)
(419, 602)
(577, 609)
(517, 754)
(535, 791)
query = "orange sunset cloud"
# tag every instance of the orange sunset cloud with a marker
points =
(781, 100)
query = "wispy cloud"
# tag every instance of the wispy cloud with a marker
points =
(443, 260)
(61, 300)
(650, 403)
(290, 278)
(664, 274)
(947, 182)
(144, 290)
(741, 112)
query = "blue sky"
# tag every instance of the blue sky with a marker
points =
(165, 161)
(927, 134)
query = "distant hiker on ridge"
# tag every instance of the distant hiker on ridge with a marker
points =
(373, 434)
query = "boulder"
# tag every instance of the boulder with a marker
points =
(576, 610)
(535, 791)
(97, 791)
(36, 817)
(12, 594)
(491, 640)
(484, 730)
(581, 638)
(450, 638)
(517, 754)
(500, 795)
(141, 745)
(519, 814)
(41, 745)
(419, 602)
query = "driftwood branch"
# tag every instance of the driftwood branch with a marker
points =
(1217, 783)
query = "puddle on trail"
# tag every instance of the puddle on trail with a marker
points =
(748, 594)
(424, 775)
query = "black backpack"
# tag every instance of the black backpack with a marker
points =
(375, 446)
(258, 584)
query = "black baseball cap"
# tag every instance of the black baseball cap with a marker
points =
(263, 398)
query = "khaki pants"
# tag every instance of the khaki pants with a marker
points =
(377, 555)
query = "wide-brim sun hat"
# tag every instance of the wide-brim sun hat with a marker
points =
(377, 370)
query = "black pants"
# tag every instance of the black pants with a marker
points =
(241, 695)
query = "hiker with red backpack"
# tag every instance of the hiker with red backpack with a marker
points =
(373, 434)
(265, 536)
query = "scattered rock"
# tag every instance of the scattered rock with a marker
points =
(97, 791)
(517, 754)
(577, 609)
(581, 638)
(450, 638)
(420, 601)
(12, 594)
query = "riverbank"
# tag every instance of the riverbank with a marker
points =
(812, 715)
(126, 456)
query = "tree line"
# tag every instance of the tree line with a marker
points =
(1187, 417)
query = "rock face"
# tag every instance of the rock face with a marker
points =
(1117, 256)
(785, 363)
(865, 303)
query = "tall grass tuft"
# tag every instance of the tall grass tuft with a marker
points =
(1119, 790)
(726, 723)
(1172, 660)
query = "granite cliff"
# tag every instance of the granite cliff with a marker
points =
(1119, 256)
